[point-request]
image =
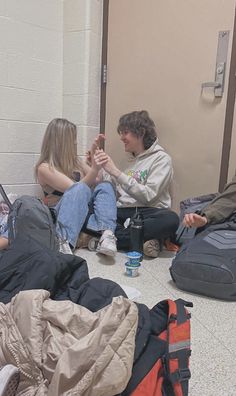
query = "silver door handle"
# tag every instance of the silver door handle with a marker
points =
(218, 84)
(212, 84)
(221, 57)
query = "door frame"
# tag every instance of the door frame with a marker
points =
(230, 103)
(229, 114)
(104, 65)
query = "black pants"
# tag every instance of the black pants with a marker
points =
(158, 224)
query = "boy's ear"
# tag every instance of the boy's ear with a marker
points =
(142, 130)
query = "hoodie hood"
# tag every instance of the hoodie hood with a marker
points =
(154, 148)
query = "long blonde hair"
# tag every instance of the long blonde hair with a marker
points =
(59, 147)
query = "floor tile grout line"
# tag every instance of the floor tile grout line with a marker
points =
(174, 295)
(197, 319)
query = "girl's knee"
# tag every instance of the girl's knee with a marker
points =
(78, 188)
(105, 186)
(79, 192)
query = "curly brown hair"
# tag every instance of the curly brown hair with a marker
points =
(140, 124)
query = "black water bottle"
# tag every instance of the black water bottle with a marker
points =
(136, 233)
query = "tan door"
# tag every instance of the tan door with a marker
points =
(159, 54)
(232, 158)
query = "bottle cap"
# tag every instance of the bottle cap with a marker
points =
(137, 219)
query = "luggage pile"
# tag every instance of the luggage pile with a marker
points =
(155, 350)
(206, 261)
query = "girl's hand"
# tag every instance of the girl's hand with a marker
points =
(88, 158)
(90, 154)
(99, 159)
(98, 142)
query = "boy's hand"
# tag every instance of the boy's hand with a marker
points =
(106, 163)
(194, 220)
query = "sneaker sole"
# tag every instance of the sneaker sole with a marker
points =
(93, 244)
(106, 252)
(65, 250)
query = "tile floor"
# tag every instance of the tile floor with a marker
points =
(213, 323)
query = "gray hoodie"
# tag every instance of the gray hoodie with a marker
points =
(146, 181)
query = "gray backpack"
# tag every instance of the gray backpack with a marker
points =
(207, 263)
(29, 216)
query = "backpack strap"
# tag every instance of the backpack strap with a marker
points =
(176, 360)
(5, 197)
(182, 229)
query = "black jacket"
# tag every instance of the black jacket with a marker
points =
(26, 265)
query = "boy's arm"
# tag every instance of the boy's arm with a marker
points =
(223, 205)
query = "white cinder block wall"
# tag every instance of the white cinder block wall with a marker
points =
(31, 54)
(82, 67)
(49, 67)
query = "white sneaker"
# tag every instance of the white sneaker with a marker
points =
(107, 244)
(64, 248)
(9, 380)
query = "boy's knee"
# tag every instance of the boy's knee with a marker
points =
(174, 219)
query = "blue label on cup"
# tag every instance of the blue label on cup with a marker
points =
(131, 271)
(132, 265)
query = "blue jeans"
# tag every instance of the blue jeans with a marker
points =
(80, 204)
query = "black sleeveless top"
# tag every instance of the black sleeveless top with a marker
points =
(59, 193)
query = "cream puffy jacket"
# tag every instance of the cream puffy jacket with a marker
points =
(62, 348)
(146, 181)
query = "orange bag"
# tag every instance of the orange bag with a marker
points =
(170, 374)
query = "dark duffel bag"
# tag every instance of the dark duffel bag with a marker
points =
(207, 263)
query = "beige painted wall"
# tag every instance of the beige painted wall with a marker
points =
(158, 57)
(49, 67)
(232, 162)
